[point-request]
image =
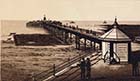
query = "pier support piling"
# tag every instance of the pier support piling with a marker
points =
(94, 46)
(76, 41)
(85, 40)
(91, 44)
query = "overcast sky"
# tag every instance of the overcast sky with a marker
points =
(70, 9)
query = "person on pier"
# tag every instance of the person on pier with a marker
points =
(82, 67)
(88, 69)
(135, 68)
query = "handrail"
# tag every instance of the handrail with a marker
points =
(114, 54)
(74, 31)
(48, 73)
(65, 64)
(105, 56)
(117, 57)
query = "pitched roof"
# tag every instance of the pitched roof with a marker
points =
(116, 35)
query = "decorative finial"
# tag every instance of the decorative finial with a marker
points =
(44, 17)
(115, 18)
(115, 22)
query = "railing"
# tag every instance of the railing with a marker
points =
(71, 75)
(74, 31)
(106, 58)
(57, 68)
(117, 57)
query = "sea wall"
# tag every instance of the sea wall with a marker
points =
(35, 39)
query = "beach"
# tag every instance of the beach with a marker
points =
(21, 62)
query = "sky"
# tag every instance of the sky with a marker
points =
(70, 9)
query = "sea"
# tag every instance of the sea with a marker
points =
(19, 26)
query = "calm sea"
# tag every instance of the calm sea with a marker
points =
(19, 27)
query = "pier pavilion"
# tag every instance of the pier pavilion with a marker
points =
(116, 46)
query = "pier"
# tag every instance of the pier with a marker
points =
(85, 40)
(67, 34)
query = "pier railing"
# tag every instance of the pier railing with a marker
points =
(57, 68)
(83, 33)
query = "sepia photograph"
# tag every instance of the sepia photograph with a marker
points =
(69, 40)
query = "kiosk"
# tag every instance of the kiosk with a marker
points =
(116, 46)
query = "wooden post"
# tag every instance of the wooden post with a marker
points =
(129, 52)
(54, 31)
(100, 47)
(54, 69)
(76, 41)
(61, 35)
(69, 61)
(94, 46)
(111, 51)
(80, 57)
(85, 43)
(65, 38)
(58, 33)
(91, 44)
(16, 40)
(70, 36)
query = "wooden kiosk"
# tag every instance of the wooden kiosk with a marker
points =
(116, 46)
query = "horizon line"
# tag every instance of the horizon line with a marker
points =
(63, 20)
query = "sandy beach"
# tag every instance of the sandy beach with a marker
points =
(20, 62)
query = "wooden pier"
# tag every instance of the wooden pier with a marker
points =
(83, 39)
(71, 34)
